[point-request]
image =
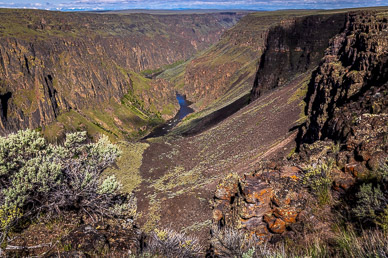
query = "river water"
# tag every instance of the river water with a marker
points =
(184, 110)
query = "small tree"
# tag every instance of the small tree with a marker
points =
(37, 177)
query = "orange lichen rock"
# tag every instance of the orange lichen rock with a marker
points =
(217, 215)
(291, 172)
(279, 226)
(287, 214)
(263, 204)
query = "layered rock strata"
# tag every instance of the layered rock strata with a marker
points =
(52, 62)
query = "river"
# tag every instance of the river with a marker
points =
(184, 110)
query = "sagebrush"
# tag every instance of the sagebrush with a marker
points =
(41, 178)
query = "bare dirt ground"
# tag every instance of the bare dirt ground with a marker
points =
(180, 174)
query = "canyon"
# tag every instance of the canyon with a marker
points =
(272, 96)
(68, 64)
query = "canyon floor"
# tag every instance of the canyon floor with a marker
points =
(178, 175)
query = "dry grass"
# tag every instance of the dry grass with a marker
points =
(169, 243)
(347, 243)
(369, 244)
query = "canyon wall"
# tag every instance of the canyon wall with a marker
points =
(346, 131)
(52, 62)
(230, 64)
(264, 50)
(294, 47)
(351, 79)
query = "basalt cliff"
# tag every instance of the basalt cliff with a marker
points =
(261, 50)
(54, 62)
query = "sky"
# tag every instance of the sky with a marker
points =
(67, 5)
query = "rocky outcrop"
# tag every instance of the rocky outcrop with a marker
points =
(293, 47)
(51, 61)
(284, 199)
(266, 204)
(347, 96)
(351, 80)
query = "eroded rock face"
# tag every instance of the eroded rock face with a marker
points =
(264, 51)
(294, 46)
(231, 64)
(347, 101)
(351, 80)
(51, 61)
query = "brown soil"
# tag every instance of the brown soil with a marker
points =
(180, 173)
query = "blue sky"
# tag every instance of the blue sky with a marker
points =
(187, 4)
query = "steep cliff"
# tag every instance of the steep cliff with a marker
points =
(228, 65)
(231, 63)
(263, 51)
(294, 47)
(351, 79)
(52, 62)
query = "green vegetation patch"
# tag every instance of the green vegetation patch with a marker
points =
(128, 165)
(150, 72)
(299, 95)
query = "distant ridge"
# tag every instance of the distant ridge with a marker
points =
(175, 11)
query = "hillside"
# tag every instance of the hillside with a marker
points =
(61, 66)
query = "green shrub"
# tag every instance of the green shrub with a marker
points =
(37, 177)
(382, 220)
(249, 254)
(7, 216)
(370, 206)
(318, 178)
